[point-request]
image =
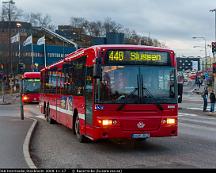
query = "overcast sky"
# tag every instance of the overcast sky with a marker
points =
(173, 22)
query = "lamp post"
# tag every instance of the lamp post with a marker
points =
(21, 81)
(205, 49)
(18, 26)
(214, 10)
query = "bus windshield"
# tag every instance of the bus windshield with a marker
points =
(135, 84)
(31, 85)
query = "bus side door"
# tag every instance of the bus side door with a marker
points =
(89, 95)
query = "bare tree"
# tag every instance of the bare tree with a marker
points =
(111, 26)
(11, 12)
(95, 29)
(78, 22)
(38, 20)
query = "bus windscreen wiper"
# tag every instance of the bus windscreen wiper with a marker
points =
(148, 93)
(125, 99)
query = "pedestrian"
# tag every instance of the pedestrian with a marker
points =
(199, 82)
(205, 99)
(212, 100)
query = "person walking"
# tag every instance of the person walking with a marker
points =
(205, 99)
(212, 100)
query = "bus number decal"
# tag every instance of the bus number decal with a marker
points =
(116, 55)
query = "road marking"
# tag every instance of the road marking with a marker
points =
(187, 114)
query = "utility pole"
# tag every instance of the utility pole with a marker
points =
(214, 10)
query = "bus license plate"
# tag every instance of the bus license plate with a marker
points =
(145, 135)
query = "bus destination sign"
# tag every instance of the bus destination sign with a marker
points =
(137, 57)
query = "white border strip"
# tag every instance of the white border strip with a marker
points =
(81, 116)
(26, 144)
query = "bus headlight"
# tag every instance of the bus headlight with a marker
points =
(108, 122)
(25, 98)
(171, 121)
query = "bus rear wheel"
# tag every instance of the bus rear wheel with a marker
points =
(48, 118)
(81, 138)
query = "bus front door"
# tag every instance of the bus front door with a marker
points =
(89, 96)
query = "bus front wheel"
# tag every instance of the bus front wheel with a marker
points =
(48, 118)
(80, 137)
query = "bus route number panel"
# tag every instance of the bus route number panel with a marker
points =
(137, 57)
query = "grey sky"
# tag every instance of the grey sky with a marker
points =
(173, 22)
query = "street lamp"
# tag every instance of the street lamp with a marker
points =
(214, 10)
(205, 49)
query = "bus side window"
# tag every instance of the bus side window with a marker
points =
(68, 80)
(89, 77)
(78, 75)
(46, 82)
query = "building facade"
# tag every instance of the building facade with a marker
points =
(11, 54)
(188, 63)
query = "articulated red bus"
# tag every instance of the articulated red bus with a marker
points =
(31, 87)
(113, 91)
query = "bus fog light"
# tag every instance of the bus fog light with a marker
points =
(115, 122)
(163, 122)
(171, 121)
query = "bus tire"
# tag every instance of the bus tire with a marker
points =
(81, 138)
(48, 118)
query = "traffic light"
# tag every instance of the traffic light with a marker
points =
(21, 68)
(213, 47)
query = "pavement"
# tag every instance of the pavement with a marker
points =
(15, 135)
(192, 100)
(9, 99)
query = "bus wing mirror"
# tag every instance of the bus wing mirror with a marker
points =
(180, 92)
(97, 68)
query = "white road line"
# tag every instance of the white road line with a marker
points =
(187, 114)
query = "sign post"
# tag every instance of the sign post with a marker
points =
(21, 102)
(3, 91)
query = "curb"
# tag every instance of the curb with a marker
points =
(5, 103)
(26, 144)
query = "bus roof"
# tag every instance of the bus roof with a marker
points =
(129, 46)
(31, 75)
(109, 46)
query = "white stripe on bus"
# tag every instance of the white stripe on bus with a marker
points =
(81, 116)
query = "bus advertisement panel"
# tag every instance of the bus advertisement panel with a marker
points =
(113, 91)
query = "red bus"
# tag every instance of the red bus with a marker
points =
(31, 87)
(113, 91)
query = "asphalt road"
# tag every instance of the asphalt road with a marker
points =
(54, 146)
(12, 134)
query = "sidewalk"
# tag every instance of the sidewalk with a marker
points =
(9, 99)
(13, 133)
(194, 102)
